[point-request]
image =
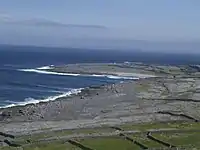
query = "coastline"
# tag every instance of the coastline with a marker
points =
(50, 98)
(143, 100)
(81, 94)
(49, 70)
(71, 92)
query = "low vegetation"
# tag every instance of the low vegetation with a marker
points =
(183, 135)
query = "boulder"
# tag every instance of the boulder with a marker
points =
(5, 114)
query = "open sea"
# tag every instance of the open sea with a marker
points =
(23, 81)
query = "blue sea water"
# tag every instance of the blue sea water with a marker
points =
(18, 87)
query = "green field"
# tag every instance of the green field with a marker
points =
(179, 134)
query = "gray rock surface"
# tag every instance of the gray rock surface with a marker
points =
(172, 90)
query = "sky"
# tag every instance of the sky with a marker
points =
(56, 22)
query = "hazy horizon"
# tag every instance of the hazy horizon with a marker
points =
(108, 24)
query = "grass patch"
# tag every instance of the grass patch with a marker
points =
(189, 138)
(46, 146)
(110, 143)
(145, 141)
(181, 139)
(43, 135)
(142, 87)
(148, 126)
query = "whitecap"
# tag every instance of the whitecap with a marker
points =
(48, 72)
(45, 67)
(122, 77)
(43, 70)
(50, 98)
(97, 75)
(115, 77)
(73, 74)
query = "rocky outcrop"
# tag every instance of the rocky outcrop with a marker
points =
(5, 115)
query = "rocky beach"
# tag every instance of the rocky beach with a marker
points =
(154, 94)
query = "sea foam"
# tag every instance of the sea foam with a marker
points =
(42, 70)
(48, 72)
(45, 67)
(50, 98)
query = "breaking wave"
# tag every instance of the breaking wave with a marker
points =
(45, 67)
(35, 101)
(48, 72)
(115, 77)
(43, 70)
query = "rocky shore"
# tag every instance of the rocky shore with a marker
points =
(170, 93)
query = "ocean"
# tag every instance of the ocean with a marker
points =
(23, 81)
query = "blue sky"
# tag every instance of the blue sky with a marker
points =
(155, 20)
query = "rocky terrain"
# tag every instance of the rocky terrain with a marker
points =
(162, 94)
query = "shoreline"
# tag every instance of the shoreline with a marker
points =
(48, 99)
(48, 70)
(67, 95)
(70, 93)
(144, 100)
(119, 75)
